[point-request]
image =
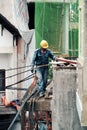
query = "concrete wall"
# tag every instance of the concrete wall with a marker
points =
(84, 94)
(6, 9)
(21, 62)
(12, 60)
(64, 112)
(6, 41)
(82, 64)
(29, 49)
(8, 58)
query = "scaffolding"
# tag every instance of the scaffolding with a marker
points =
(54, 22)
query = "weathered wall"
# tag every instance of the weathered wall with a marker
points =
(8, 58)
(6, 9)
(82, 67)
(6, 41)
(84, 98)
(64, 112)
(20, 63)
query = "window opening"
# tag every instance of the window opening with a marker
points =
(31, 12)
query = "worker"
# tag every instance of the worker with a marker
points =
(41, 60)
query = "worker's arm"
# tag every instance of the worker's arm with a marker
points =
(33, 61)
(52, 56)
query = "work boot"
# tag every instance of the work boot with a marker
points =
(41, 94)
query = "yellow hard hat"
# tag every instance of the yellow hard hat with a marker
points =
(44, 44)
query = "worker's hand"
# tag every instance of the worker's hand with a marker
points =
(32, 69)
(56, 59)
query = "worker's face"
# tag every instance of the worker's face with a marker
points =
(43, 49)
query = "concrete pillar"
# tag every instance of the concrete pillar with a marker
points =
(64, 112)
(82, 68)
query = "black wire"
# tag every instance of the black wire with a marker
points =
(12, 88)
(19, 81)
(18, 68)
(25, 67)
(16, 74)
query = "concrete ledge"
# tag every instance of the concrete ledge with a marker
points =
(41, 104)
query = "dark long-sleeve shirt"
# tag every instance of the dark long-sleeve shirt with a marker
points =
(40, 58)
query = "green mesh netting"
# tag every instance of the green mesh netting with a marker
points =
(73, 42)
(50, 23)
(47, 23)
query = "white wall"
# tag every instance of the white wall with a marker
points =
(8, 59)
(6, 41)
(7, 63)
(31, 49)
(6, 9)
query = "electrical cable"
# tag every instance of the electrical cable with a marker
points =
(13, 88)
(24, 71)
(18, 68)
(16, 74)
(27, 78)
(19, 81)
(24, 89)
